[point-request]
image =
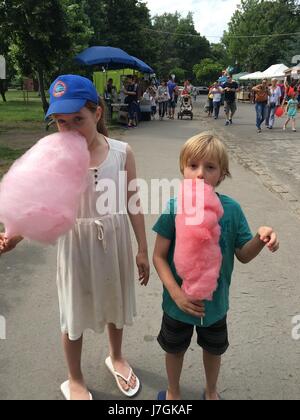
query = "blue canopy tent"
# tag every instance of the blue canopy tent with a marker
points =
(111, 59)
(143, 67)
(108, 57)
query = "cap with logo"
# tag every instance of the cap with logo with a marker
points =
(69, 93)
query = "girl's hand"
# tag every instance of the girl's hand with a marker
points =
(190, 307)
(7, 245)
(269, 237)
(143, 266)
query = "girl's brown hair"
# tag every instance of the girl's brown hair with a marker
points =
(101, 126)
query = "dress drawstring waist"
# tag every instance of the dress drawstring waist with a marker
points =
(101, 233)
(100, 229)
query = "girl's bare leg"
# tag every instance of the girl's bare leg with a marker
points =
(73, 350)
(118, 361)
(286, 123)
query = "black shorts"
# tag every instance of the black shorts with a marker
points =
(172, 104)
(175, 336)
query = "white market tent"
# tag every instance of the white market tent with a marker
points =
(277, 70)
(294, 72)
(253, 76)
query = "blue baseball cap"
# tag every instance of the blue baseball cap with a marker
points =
(69, 93)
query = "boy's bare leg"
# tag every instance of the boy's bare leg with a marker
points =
(174, 363)
(212, 365)
(73, 350)
(119, 363)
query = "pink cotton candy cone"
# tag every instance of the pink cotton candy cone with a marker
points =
(39, 196)
(198, 256)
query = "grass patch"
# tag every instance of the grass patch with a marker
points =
(6, 153)
(16, 113)
(7, 157)
(20, 119)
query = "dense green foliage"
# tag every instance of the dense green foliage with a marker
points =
(208, 71)
(41, 38)
(261, 17)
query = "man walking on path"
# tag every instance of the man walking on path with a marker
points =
(230, 90)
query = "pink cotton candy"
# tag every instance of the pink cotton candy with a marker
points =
(198, 256)
(39, 196)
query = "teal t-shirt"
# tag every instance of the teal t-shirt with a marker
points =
(235, 233)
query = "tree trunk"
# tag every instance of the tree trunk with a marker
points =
(42, 89)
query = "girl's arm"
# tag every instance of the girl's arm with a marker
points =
(160, 261)
(265, 236)
(137, 222)
(8, 245)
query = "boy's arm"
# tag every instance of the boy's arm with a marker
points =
(264, 237)
(160, 262)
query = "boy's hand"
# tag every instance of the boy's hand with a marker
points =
(191, 307)
(142, 263)
(7, 245)
(269, 237)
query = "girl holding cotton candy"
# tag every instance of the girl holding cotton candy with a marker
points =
(95, 273)
(195, 263)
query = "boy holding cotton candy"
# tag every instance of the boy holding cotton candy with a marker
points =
(203, 157)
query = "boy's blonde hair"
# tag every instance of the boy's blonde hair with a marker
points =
(205, 146)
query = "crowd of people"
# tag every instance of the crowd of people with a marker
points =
(162, 96)
(270, 99)
(222, 92)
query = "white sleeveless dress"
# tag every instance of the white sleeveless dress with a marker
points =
(95, 270)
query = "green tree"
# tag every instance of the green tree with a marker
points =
(79, 32)
(207, 71)
(42, 35)
(179, 73)
(121, 24)
(192, 47)
(219, 54)
(293, 49)
(261, 17)
(163, 33)
(178, 44)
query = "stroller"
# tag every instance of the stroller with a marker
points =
(186, 107)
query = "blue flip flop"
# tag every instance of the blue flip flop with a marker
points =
(162, 396)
